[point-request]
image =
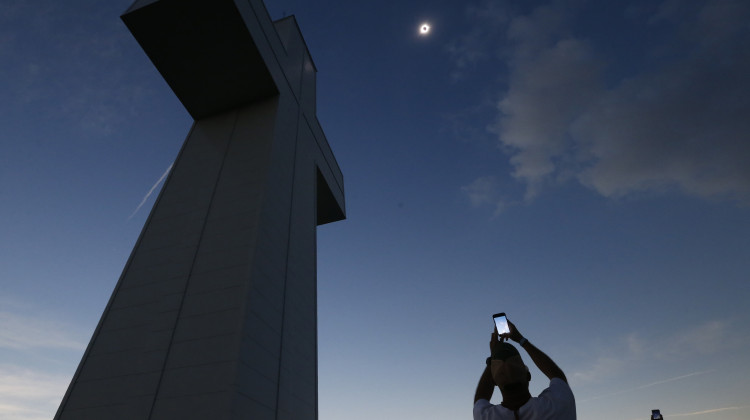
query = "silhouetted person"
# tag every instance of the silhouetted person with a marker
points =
(506, 369)
(656, 415)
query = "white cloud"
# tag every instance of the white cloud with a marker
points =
(485, 191)
(709, 338)
(603, 367)
(634, 352)
(481, 190)
(677, 378)
(548, 91)
(684, 127)
(67, 62)
(706, 339)
(22, 332)
(677, 123)
(489, 18)
(711, 411)
(33, 384)
(648, 385)
(29, 395)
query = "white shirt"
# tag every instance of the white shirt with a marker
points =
(554, 403)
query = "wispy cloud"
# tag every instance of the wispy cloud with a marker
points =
(82, 46)
(489, 17)
(29, 395)
(676, 122)
(710, 338)
(22, 332)
(603, 367)
(148, 194)
(705, 339)
(481, 191)
(485, 191)
(648, 385)
(29, 391)
(677, 378)
(712, 411)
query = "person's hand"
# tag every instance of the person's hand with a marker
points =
(514, 334)
(493, 341)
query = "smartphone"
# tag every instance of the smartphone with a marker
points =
(655, 414)
(501, 322)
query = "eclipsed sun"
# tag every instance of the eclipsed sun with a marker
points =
(424, 29)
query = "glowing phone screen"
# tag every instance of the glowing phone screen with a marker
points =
(502, 324)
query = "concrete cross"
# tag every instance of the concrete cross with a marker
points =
(214, 315)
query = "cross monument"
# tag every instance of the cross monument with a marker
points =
(214, 315)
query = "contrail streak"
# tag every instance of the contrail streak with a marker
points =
(698, 413)
(677, 378)
(674, 379)
(164, 175)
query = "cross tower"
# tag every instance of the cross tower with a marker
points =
(214, 315)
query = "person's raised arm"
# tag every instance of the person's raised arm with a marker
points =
(486, 385)
(541, 360)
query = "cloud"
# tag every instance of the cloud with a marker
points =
(153, 187)
(710, 338)
(548, 91)
(670, 118)
(21, 332)
(29, 395)
(484, 191)
(677, 378)
(603, 367)
(480, 43)
(56, 68)
(648, 385)
(701, 340)
(481, 190)
(683, 125)
(627, 352)
(33, 339)
(714, 410)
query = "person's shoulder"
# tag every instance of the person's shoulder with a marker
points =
(558, 390)
(480, 406)
(482, 403)
(484, 410)
(558, 398)
(557, 386)
(559, 382)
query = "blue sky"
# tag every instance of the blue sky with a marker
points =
(579, 165)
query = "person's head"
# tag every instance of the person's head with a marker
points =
(507, 367)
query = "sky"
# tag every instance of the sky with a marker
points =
(579, 165)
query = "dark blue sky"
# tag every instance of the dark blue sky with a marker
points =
(578, 165)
